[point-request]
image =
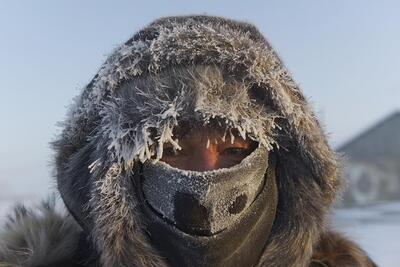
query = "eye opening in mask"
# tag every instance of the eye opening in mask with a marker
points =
(207, 147)
(255, 152)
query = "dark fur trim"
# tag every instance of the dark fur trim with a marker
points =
(46, 238)
(334, 250)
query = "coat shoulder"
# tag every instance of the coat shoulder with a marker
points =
(39, 237)
(333, 249)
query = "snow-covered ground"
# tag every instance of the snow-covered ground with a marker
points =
(376, 228)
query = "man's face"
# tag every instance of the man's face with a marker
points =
(204, 149)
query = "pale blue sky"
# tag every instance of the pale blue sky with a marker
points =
(343, 53)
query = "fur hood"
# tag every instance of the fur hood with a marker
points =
(223, 69)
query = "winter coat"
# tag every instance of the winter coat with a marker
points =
(130, 108)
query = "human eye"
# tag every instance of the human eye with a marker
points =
(233, 151)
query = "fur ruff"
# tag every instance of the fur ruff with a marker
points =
(124, 115)
(44, 237)
(40, 237)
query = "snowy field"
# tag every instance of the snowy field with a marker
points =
(376, 228)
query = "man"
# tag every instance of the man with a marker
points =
(192, 146)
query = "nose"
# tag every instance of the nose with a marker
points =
(190, 216)
(205, 159)
(194, 218)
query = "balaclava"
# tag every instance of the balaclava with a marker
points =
(214, 218)
(268, 210)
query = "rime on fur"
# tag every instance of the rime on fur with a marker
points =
(223, 70)
(132, 95)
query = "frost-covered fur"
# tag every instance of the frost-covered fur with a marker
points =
(191, 69)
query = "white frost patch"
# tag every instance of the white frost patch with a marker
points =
(140, 121)
(149, 56)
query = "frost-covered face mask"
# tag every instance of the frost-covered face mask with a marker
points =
(211, 218)
(204, 203)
